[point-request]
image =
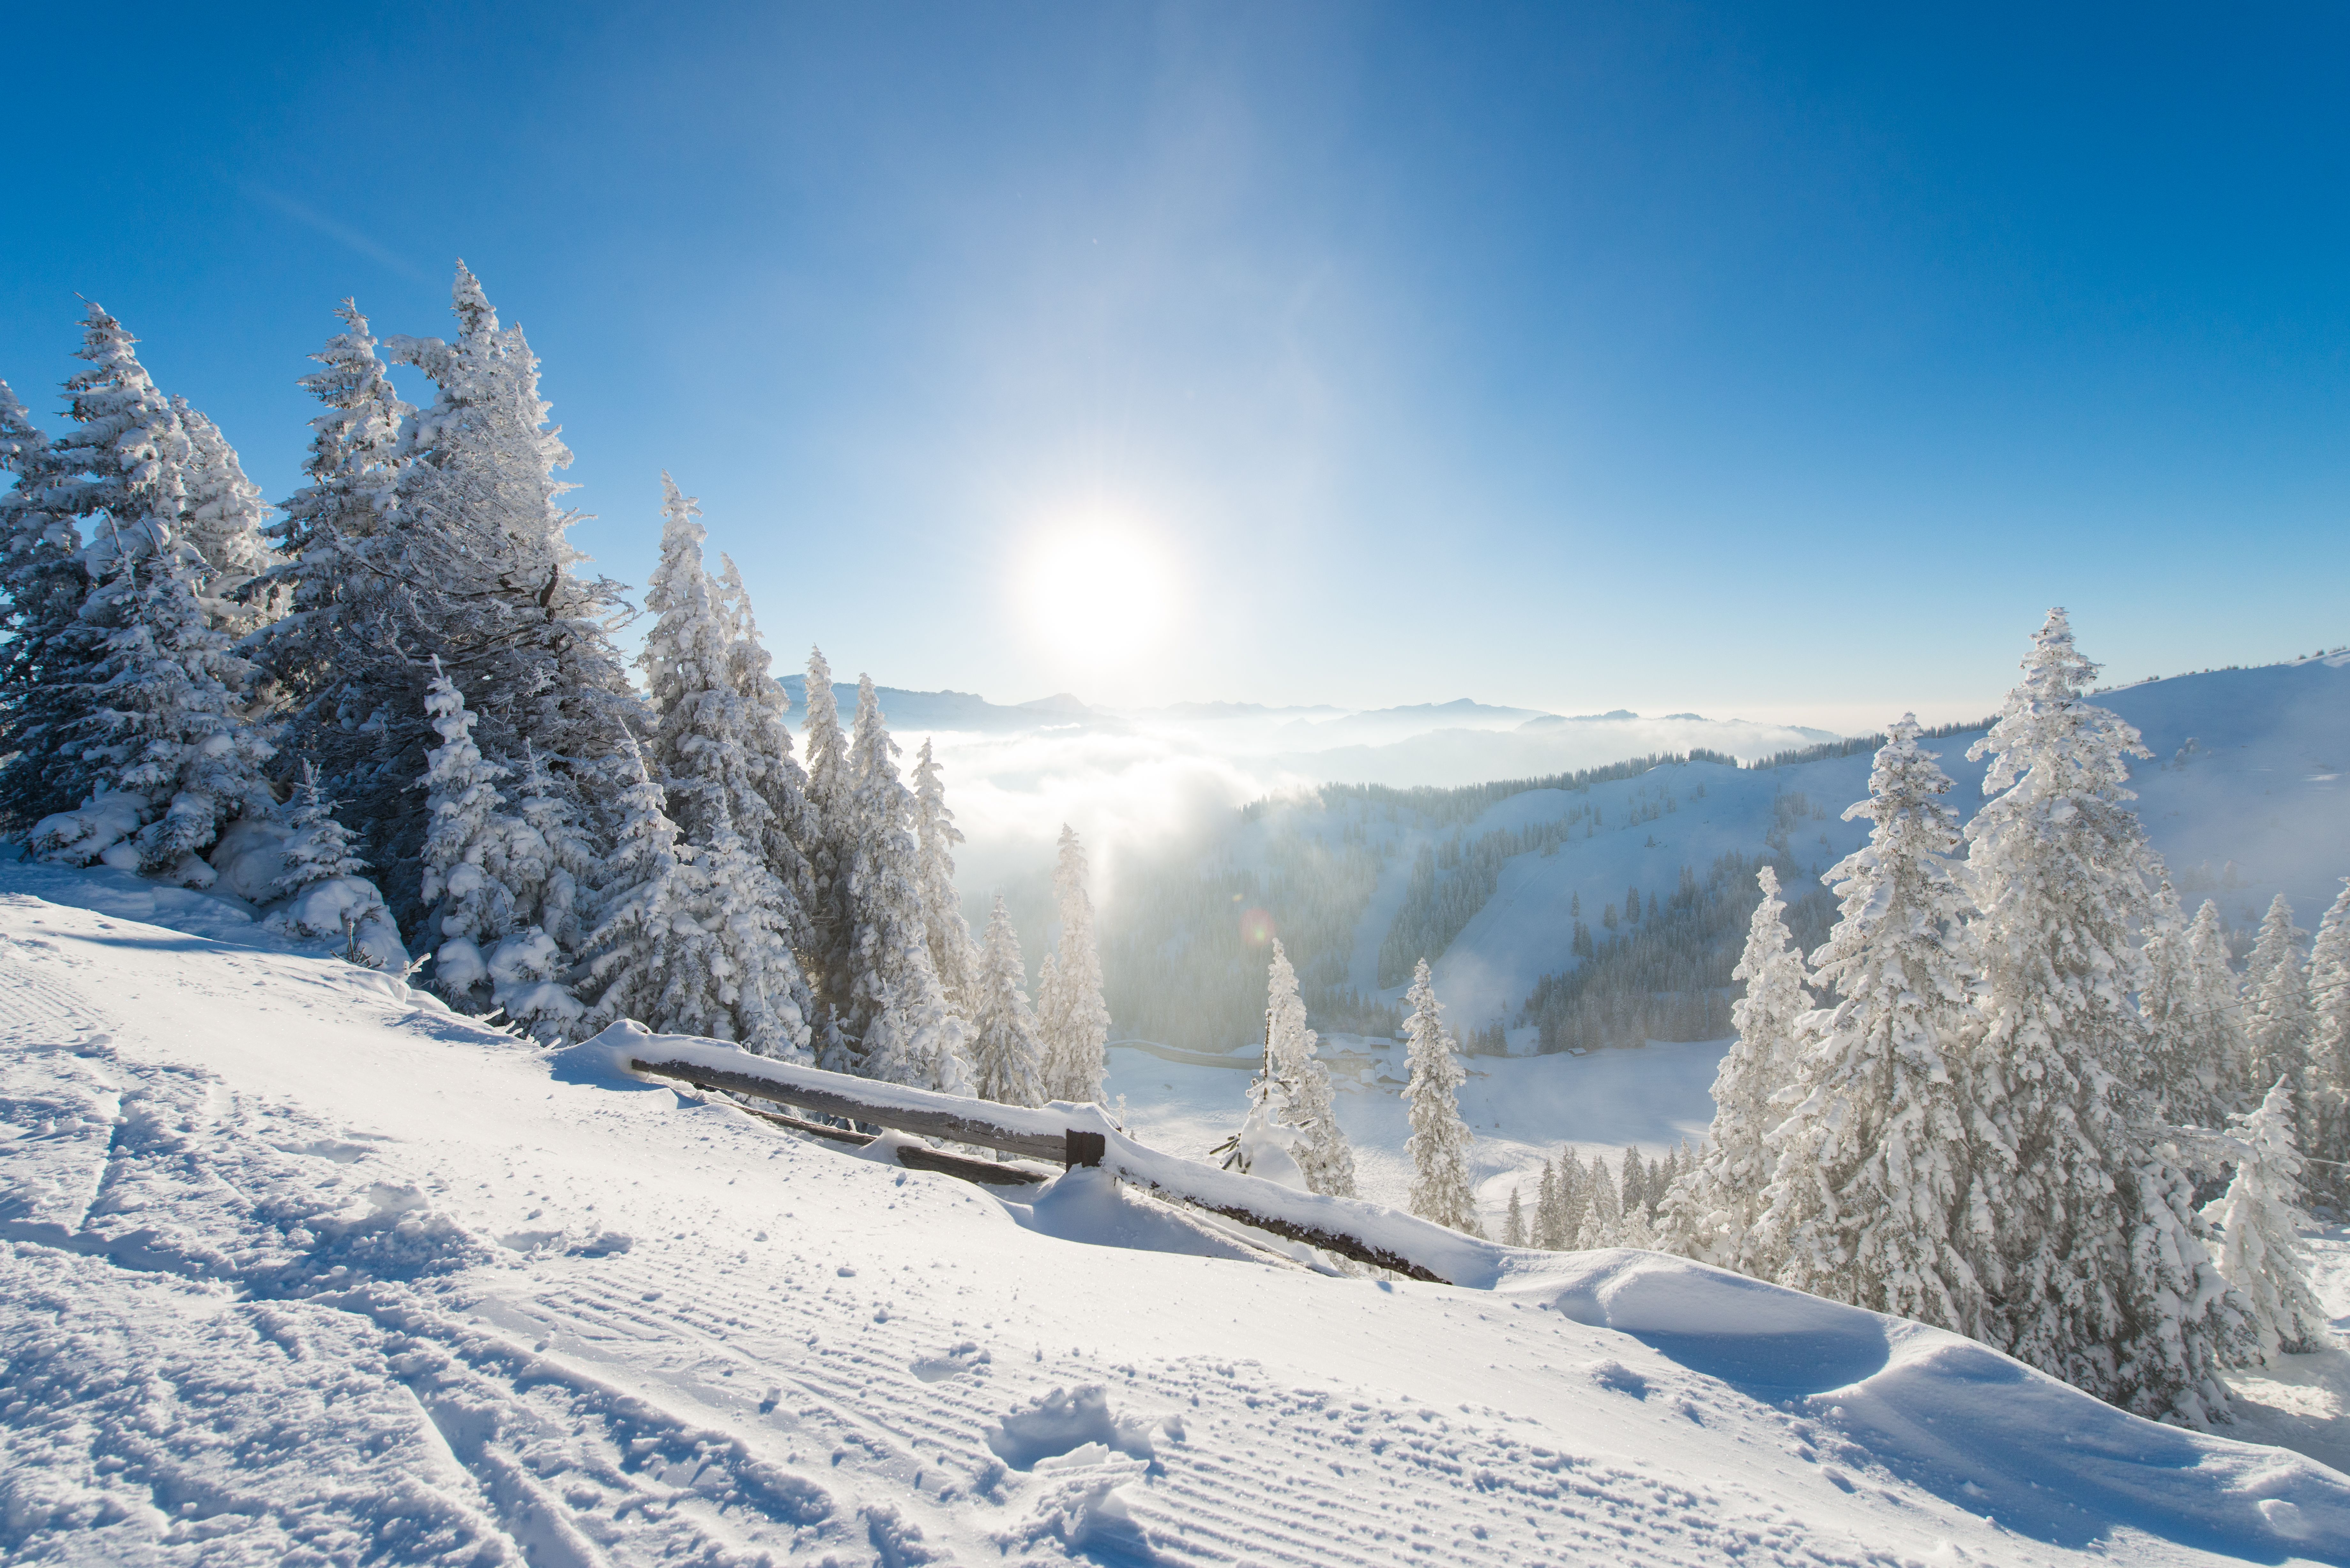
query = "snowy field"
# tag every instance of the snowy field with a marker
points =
(296, 1267)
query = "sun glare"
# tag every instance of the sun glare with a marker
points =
(1103, 591)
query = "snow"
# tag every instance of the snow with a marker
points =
(296, 1266)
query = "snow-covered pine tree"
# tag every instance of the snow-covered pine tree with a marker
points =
(1323, 1157)
(470, 908)
(652, 955)
(2088, 1247)
(1549, 1224)
(791, 825)
(701, 753)
(2215, 1012)
(2329, 1049)
(224, 523)
(832, 814)
(1632, 1179)
(2276, 993)
(482, 576)
(1440, 1142)
(1007, 1059)
(553, 887)
(1071, 1014)
(1574, 1198)
(1868, 1198)
(159, 739)
(318, 847)
(43, 639)
(897, 1020)
(1513, 1222)
(1603, 1214)
(341, 656)
(2259, 1220)
(953, 953)
(1711, 1213)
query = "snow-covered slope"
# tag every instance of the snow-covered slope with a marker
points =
(296, 1267)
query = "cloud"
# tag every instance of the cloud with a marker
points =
(342, 234)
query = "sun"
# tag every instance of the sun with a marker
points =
(1099, 590)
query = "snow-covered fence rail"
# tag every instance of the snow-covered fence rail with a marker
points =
(1072, 1134)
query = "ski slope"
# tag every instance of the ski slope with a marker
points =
(296, 1267)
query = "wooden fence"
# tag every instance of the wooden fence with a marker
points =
(1062, 1134)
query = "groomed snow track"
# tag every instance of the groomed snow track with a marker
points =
(295, 1268)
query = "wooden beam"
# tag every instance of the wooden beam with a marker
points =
(985, 1172)
(972, 1127)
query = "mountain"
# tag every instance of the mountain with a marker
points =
(912, 713)
(2243, 797)
(300, 1267)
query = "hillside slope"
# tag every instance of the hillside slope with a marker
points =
(2243, 797)
(296, 1267)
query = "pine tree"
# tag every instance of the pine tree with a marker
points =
(1632, 1179)
(1440, 1142)
(2329, 1047)
(1007, 1059)
(898, 1021)
(1513, 1223)
(1300, 1085)
(2088, 1244)
(147, 711)
(478, 573)
(831, 790)
(225, 524)
(471, 908)
(701, 753)
(1071, 1014)
(1603, 1214)
(43, 639)
(1549, 1227)
(317, 848)
(790, 827)
(2276, 991)
(553, 877)
(652, 955)
(1710, 1214)
(1574, 1198)
(2259, 1220)
(345, 655)
(2222, 1051)
(952, 952)
(1868, 1202)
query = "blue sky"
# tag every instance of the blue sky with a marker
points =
(1782, 361)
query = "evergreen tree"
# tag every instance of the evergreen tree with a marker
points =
(652, 955)
(1008, 1058)
(1549, 1227)
(702, 754)
(2329, 1049)
(898, 1021)
(346, 655)
(2088, 1245)
(830, 852)
(145, 713)
(1323, 1157)
(1574, 1198)
(317, 848)
(952, 952)
(225, 524)
(1071, 1014)
(1870, 1186)
(468, 838)
(2259, 1220)
(1603, 1214)
(789, 827)
(2276, 989)
(480, 573)
(1440, 1142)
(1513, 1223)
(1632, 1179)
(1710, 1214)
(2197, 1065)
(556, 866)
(43, 639)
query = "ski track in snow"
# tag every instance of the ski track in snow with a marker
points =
(296, 1270)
